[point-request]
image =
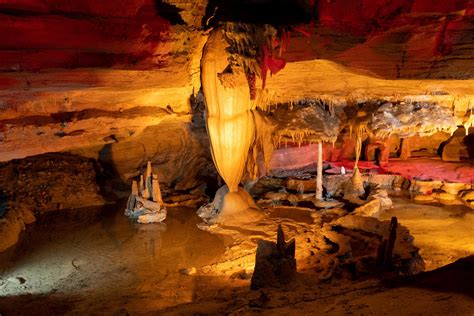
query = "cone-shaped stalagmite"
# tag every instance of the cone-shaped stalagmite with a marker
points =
(156, 194)
(134, 187)
(357, 182)
(141, 184)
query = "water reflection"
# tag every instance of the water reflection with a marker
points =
(100, 251)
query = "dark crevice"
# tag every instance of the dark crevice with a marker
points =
(274, 12)
(169, 12)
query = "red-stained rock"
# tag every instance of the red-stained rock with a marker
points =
(361, 16)
(296, 157)
(402, 39)
(14, 60)
(420, 168)
(379, 150)
(118, 8)
(439, 6)
(39, 35)
(58, 32)
(344, 150)
(7, 82)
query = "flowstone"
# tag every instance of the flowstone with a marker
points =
(231, 208)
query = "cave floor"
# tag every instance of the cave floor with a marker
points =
(444, 233)
(98, 262)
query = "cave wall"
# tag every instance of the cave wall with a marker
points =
(395, 39)
(178, 152)
(81, 76)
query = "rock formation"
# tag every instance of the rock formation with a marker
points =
(145, 203)
(275, 263)
(41, 184)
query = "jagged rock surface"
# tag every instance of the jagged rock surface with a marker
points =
(50, 182)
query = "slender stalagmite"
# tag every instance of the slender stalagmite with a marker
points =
(319, 175)
(156, 191)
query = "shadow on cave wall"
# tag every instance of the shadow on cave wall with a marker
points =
(169, 12)
(468, 141)
(459, 146)
(108, 177)
(179, 153)
(211, 178)
(3, 203)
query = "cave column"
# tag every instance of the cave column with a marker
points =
(230, 123)
(231, 128)
(319, 175)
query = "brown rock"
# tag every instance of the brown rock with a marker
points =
(458, 147)
(370, 209)
(275, 263)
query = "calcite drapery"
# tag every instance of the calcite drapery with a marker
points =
(229, 119)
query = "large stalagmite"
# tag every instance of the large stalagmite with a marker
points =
(230, 125)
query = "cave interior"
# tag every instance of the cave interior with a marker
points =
(277, 157)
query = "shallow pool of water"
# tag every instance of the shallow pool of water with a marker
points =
(99, 254)
(99, 260)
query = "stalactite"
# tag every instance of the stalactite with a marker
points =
(265, 143)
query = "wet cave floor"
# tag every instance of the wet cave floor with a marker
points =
(96, 261)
